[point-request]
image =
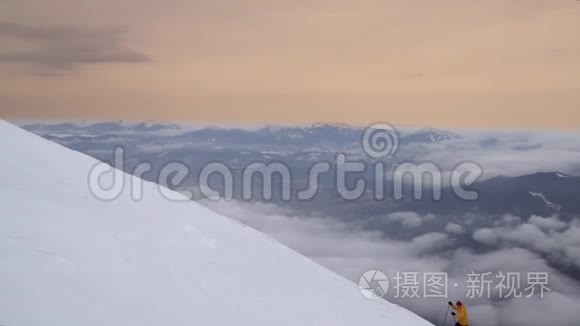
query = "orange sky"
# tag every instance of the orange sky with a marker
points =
(461, 63)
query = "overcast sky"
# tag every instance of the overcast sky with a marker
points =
(510, 63)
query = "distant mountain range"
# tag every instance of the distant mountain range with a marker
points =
(430, 135)
(149, 262)
(543, 193)
(100, 127)
(318, 133)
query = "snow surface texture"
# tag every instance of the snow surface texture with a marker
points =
(67, 258)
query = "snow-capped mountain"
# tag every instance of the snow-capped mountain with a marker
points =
(333, 125)
(68, 258)
(100, 128)
(325, 136)
(430, 135)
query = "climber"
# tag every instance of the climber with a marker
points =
(460, 313)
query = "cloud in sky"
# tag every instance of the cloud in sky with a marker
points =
(58, 49)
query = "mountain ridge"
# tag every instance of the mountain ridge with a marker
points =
(75, 260)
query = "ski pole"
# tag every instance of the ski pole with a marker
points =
(446, 314)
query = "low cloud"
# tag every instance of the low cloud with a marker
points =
(407, 219)
(548, 223)
(349, 249)
(454, 228)
(508, 153)
(486, 236)
(430, 243)
(551, 237)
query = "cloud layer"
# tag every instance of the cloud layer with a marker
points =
(350, 250)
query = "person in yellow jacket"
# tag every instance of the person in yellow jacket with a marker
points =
(460, 313)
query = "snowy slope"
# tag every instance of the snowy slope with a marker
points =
(69, 259)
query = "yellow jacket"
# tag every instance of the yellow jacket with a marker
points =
(461, 314)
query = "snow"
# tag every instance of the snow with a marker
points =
(63, 135)
(431, 135)
(67, 258)
(562, 175)
(546, 201)
(436, 135)
(337, 125)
